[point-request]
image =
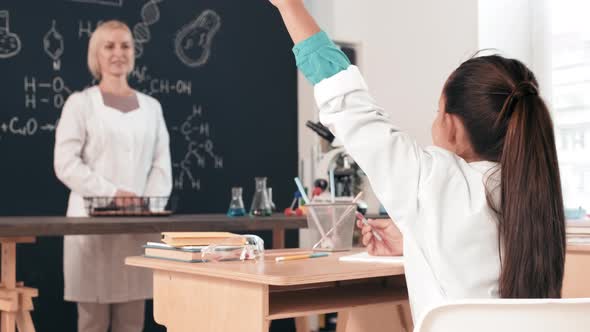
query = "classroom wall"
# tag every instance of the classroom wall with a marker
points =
(407, 49)
(518, 29)
(505, 26)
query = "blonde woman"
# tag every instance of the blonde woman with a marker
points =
(111, 141)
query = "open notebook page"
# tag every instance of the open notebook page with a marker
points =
(365, 257)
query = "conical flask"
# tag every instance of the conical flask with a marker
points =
(260, 203)
(236, 206)
(273, 207)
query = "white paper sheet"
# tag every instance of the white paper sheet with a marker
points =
(365, 257)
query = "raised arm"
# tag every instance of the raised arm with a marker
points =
(297, 19)
(393, 161)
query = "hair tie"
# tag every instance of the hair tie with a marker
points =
(521, 90)
(524, 89)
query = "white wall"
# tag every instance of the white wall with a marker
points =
(518, 29)
(407, 50)
(506, 26)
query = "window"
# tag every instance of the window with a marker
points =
(570, 89)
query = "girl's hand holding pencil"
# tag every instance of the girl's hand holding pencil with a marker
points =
(392, 239)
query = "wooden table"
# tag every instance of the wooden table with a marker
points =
(247, 296)
(576, 279)
(16, 300)
(49, 226)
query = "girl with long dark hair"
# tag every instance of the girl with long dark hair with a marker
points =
(481, 211)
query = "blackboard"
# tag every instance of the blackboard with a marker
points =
(230, 106)
(230, 111)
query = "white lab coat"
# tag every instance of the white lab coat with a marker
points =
(436, 198)
(98, 150)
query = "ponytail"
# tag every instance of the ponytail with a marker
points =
(531, 225)
(508, 123)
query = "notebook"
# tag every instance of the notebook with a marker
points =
(191, 254)
(365, 257)
(184, 254)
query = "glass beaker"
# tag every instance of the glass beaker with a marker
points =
(260, 204)
(273, 207)
(236, 206)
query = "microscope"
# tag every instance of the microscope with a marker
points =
(338, 162)
(344, 169)
(349, 179)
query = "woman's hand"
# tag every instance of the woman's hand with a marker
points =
(392, 244)
(125, 198)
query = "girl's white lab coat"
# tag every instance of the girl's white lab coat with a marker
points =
(98, 150)
(436, 198)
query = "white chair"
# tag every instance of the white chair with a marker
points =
(509, 315)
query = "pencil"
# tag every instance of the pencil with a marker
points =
(365, 222)
(295, 257)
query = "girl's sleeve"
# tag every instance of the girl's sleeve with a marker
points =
(319, 58)
(394, 162)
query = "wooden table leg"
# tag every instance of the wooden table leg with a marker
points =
(302, 324)
(278, 242)
(278, 237)
(24, 322)
(9, 283)
(186, 303)
(342, 321)
(376, 318)
(16, 301)
(405, 317)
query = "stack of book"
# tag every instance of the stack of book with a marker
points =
(188, 246)
(578, 232)
(190, 254)
(179, 239)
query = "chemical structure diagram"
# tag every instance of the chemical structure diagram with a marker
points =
(153, 85)
(199, 149)
(53, 92)
(53, 44)
(20, 127)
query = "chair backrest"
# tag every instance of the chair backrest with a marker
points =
(509, 315)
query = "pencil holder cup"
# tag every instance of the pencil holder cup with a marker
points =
(331, 225)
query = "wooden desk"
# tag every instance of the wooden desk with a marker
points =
(16, 300)
(51, 226)
(247, 296)
(576, 279)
